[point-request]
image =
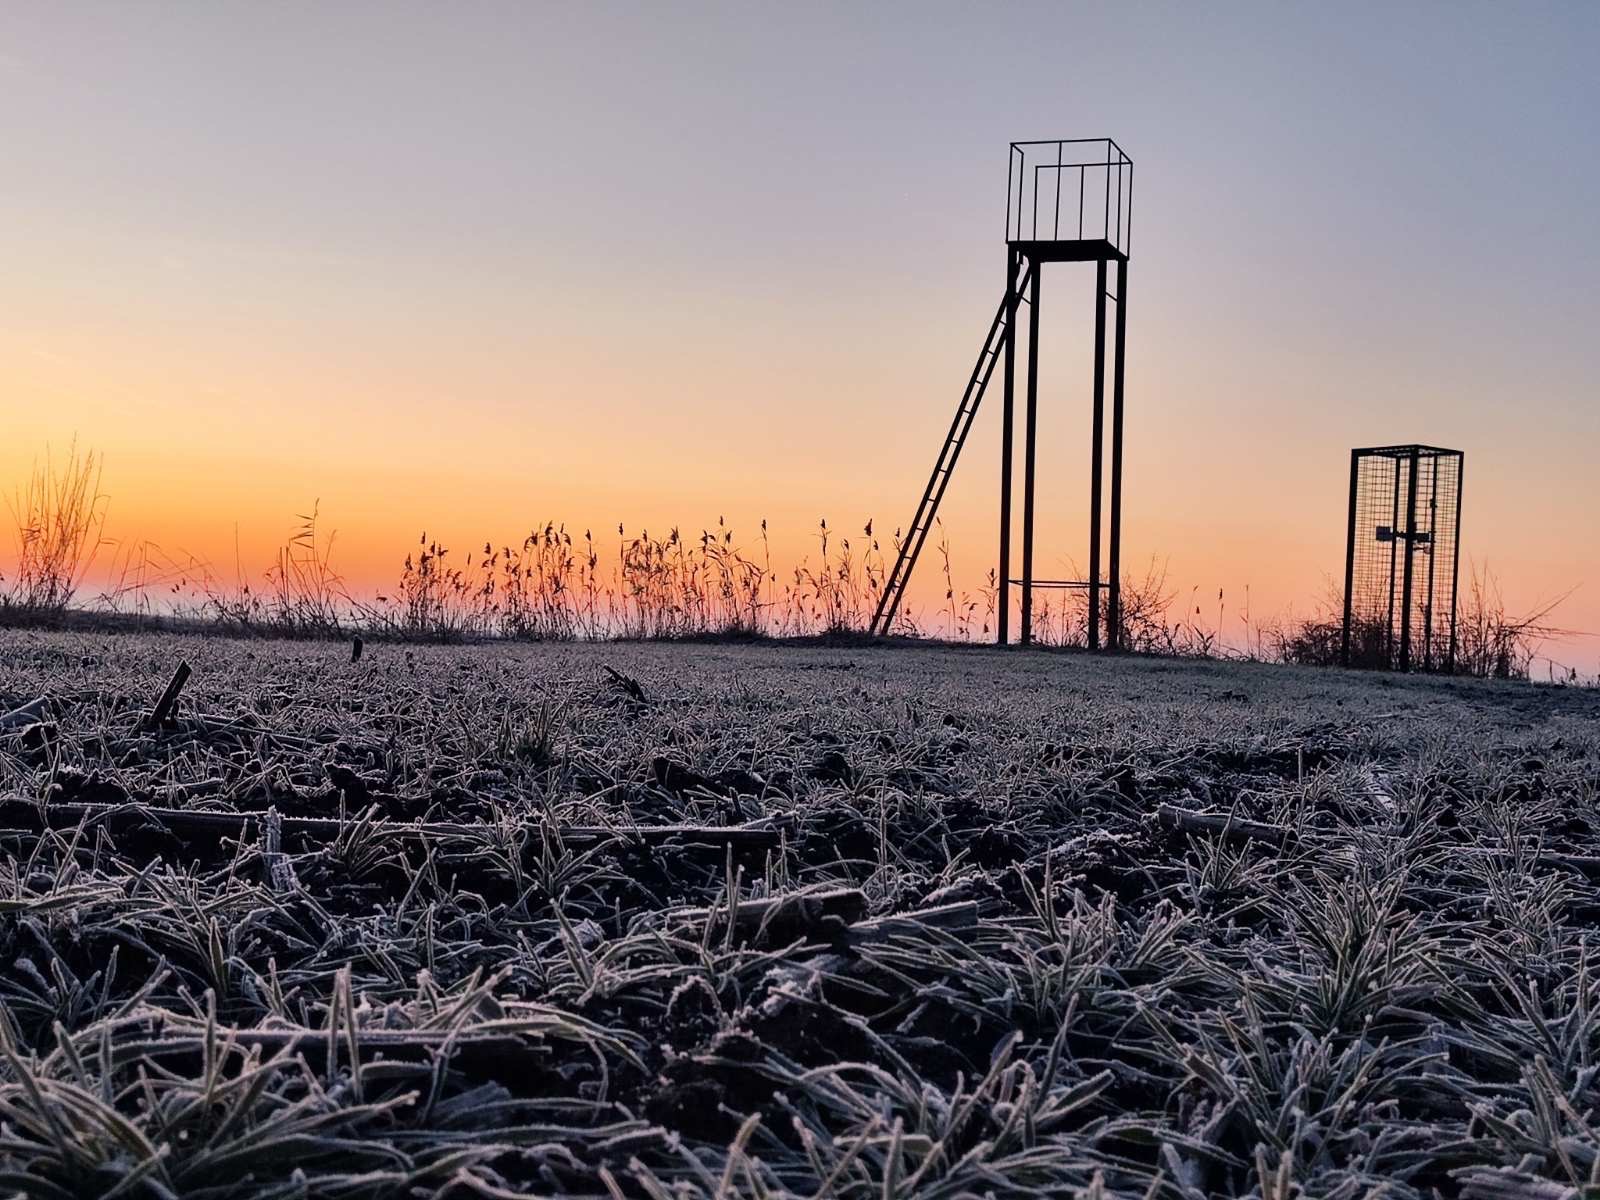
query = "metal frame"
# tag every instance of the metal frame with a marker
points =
(1426, 521)
(1103, 243)
(1101, 234)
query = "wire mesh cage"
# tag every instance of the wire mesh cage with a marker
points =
(1402, 558)
(1072, 190)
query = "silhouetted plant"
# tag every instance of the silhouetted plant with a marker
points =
(1490, 643)
(59, 515)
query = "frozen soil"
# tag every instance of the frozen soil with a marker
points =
(1043, 923)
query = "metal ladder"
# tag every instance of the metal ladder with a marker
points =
(911, 545)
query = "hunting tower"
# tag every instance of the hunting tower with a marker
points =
(1067, 201)
(1402, 558)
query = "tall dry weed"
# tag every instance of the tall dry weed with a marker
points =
(59, 515)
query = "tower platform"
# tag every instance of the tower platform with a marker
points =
(1075, 250)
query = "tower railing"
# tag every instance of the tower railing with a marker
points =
(1072, 189)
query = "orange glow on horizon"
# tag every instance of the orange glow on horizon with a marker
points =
(235, 535)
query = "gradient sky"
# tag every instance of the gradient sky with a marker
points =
(468, 267)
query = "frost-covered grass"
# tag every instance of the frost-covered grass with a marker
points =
(1373, 970)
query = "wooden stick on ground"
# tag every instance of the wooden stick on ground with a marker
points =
(30, 713)
(1222, 825)
(191, 822)
(161, 717)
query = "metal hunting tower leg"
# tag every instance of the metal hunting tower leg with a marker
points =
(1040, 173)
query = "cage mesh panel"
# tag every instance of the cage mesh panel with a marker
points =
(1388, 527)
(1440, 625)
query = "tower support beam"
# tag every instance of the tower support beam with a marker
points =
(1029, 436)
(1096, 443)
(1003, 584)
(1114, 604)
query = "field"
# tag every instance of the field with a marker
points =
(936, 922)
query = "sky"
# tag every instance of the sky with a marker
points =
(468, 268)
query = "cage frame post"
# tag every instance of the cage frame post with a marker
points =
(1455, 557)
(1394, 550)
(1349, 562)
